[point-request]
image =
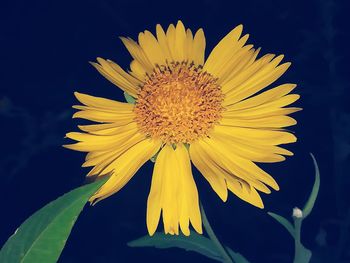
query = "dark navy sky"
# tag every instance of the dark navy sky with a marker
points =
(45, 49)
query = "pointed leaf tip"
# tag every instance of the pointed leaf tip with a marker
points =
(314, 192)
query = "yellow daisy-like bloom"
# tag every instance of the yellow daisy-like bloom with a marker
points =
(213, 113)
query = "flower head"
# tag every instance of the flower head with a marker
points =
(214, 113)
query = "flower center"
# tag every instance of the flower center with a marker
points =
(178, 102)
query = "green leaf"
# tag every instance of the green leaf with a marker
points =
(313, 196)
(129, 98)
(194, 242)
(237, 257)
(42, 236)
(284, 222)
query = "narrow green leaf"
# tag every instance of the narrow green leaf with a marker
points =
(194, 242)
(313, 196)
(237, 257)
(129, 98)
(284, 222)
(42, 236)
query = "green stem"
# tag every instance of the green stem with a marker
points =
(297, 243)
(213, 238)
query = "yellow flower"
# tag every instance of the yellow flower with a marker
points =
(212, 113)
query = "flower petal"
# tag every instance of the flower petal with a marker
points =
(173, 191)
(137, 53)
(223, 51)
(208, 170)
(163, 42)
(256, 136)
(102, 103)
(198, 50)
(250, 151)
(214, 167)
(102, 142)
(270, 122)
(115, 74)
(238, 88)
(264, 97)
(238, 166)
(125, 167)
(151, 48)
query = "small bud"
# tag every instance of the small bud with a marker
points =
(297, 213)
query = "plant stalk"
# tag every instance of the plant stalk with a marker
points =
(212, 236)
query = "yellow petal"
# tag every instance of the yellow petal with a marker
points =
(265, 122)
(173, 191)
(264, 97)
(189, 45)
(151, 48)
(238, 166)
(240, 61)
(171, 38)
(223, 50)
(117, 76)
(163, 42)
(198, 50)
(256, 153)
(247, 73)
(90, 142)
(260, 80)
(208, 170)
(137, 53)
(102, 103)
(180, 42)
(256, 136)
(104, 158)
(169, 189)
(227, 63)
(97, 129)
(214, 166)
(137, 70)
(125, 167)
(266, 109)
(246, 193)
(188, 200)
(100, 116)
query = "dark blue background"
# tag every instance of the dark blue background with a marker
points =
(45, 47)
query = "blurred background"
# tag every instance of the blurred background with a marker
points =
(45, 49)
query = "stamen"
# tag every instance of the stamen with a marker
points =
(178, 102)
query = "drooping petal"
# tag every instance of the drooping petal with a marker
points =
(240, 167)
(125, 167)
(174, 192)
(207, 169)
(211, 165)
